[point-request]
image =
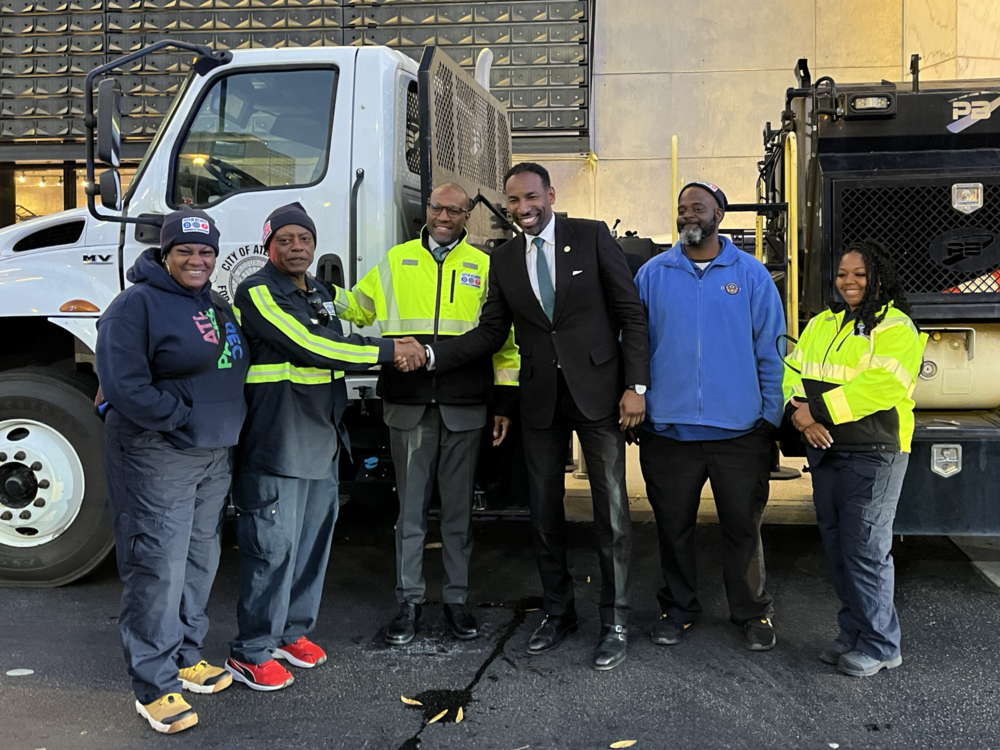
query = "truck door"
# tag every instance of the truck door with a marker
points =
(255, 138)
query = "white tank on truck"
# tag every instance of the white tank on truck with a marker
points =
(357, 135)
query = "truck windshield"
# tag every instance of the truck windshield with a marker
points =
(256, 130)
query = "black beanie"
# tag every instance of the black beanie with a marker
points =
(716, 192)
(188, 225)
(293, 213)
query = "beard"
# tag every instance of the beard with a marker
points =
(692, 236)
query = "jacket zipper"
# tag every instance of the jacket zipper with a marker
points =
(437, 320)
(451, 299)
(701, 365)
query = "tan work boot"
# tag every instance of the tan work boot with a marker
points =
(204, 678)
(169, 714)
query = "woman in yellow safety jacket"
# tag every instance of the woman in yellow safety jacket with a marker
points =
(847, 389)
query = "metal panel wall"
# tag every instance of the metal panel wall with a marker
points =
(541, 69)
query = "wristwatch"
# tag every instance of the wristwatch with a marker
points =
(639, 389)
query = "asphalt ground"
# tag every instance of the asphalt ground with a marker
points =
(706, 692)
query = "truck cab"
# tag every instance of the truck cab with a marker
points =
(344, 131)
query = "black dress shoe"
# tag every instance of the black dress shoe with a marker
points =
(404, 627)
(551, 632)
(463, 624)
(611, 647)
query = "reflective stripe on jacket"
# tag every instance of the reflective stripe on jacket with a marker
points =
(858, 386)
(410, 294)
(294, 389)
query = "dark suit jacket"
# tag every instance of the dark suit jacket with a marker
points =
(596, 305)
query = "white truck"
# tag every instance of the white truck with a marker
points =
(357, 135)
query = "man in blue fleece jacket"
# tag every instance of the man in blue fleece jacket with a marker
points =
(715, 398)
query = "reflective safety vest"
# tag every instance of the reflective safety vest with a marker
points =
(858, 385)
(410, 294)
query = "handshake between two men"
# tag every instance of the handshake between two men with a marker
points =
(409, 354)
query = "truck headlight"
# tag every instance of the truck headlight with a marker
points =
(866, 103)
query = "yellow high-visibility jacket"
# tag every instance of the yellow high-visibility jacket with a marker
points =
(858, 383)
(410, 294)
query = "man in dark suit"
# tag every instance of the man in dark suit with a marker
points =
(581, 330)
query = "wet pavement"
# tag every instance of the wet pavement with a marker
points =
(707, 692)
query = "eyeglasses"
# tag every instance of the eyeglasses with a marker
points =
(453, 211)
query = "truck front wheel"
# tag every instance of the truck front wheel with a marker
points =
(55, 524)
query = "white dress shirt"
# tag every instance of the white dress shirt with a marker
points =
(548, 235)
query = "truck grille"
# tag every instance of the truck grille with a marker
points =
(936, 249)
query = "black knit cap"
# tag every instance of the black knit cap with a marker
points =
(714, 190)
(188, 225)
(293, 213)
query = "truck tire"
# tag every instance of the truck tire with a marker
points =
(55, 523)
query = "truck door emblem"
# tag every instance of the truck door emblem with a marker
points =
(97, 260)
(946, 459)
(965, 113)
(966, 249)
(238, 265)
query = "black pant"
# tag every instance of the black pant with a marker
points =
(603, 447)
(739, 470)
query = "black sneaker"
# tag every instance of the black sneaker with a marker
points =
(666, 632)
(758, 634)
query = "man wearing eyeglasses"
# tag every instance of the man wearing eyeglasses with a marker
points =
(285, 492)
(567, 289)
(433, 288)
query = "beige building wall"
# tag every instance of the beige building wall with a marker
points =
(714, 71)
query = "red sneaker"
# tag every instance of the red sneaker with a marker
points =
(303, 653)
(267, 676)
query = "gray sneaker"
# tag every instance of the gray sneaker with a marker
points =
(832, 653)
(857, 664)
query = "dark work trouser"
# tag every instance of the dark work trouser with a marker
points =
(167, 504)
(856, 496)
(284, 527)
(430, 449)
(603, 445)
(739, 471)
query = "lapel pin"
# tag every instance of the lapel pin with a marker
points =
(566, 249)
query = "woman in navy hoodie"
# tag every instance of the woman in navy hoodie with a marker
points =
(171, 360)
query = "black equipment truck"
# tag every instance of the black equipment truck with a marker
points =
(915, 167)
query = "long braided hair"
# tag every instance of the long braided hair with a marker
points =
(883, 285)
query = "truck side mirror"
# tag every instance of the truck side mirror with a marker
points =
(109, 125)
(111, 189)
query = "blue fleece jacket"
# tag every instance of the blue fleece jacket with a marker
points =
(157, 328)
(712, 341)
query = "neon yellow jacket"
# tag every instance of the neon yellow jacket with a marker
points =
(410, 294)
(858, 386)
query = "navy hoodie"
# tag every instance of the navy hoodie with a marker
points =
(157, 328)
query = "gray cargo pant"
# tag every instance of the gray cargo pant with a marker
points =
(855, 496)
(167, 505)
(284, 526)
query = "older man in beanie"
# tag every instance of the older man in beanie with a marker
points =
(285, 492)
(715, 398)
(171, 361)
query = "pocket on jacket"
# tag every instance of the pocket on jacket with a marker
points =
(604, 353)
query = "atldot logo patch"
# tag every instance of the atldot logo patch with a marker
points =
(471, 279)
(195, 224)
(732, 287)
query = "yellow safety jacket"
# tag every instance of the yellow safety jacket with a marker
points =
(410, 294)
(858, 384)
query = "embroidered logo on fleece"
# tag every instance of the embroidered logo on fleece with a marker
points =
(195, 224)
(471, 279)
(731, 287)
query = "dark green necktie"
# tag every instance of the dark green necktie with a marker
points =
(545, 290)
